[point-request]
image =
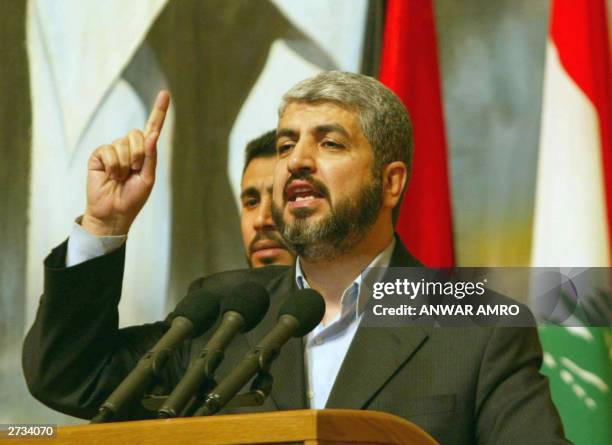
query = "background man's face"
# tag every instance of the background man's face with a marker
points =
(324, 191)
(262, 242)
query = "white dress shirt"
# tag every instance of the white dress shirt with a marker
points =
(83, 246)
(326, 346)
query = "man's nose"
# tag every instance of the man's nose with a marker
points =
(302, 158)
(263, 218)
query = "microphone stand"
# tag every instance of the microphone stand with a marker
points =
(256, 396)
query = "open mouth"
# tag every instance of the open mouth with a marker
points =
(300, 191)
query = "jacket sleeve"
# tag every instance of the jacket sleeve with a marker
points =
(74, 355)
(513, 398)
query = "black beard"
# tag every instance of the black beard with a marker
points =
(346, 225)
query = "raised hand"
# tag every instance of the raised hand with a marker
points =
(120, 176)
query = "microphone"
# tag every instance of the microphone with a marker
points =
(299, 315)
(192, 317)
(246, 306)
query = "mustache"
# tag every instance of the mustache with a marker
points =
(305, 176)
(267, 235)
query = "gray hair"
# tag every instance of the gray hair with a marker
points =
(383, 118)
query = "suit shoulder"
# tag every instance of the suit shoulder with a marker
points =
(223, 280)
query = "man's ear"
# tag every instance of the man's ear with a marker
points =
(394, 176)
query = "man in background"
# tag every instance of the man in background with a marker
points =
(263, 245)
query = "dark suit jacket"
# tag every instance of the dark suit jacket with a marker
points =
(462, 385)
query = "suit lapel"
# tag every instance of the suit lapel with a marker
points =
(353, 387)
(358, 381)
(288, 389)
(401, 257)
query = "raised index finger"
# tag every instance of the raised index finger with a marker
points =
(158, 114)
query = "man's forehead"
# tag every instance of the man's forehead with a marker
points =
(317, 114)
(259, 173)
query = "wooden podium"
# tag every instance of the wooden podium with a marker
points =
(309, 427)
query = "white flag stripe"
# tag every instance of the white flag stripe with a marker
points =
(570, 223)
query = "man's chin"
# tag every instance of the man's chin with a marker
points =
(303, 213)
(300, 214)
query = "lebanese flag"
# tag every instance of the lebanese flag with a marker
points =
(409, 67)
(573, 206)
(574, 183)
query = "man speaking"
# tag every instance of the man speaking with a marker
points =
(344, 144)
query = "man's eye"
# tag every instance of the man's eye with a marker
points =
(284, 149)
(250, 203)
(331, 144)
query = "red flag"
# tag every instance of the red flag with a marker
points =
(573, 209)
(410, 68)
(580, 33)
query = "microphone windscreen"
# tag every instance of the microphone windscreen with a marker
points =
(251, 300)
(201, 307)
(307, 306)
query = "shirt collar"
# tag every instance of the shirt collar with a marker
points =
(383, 259)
